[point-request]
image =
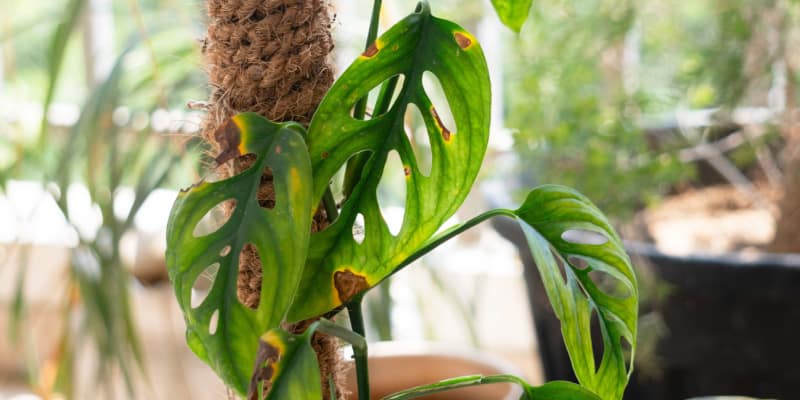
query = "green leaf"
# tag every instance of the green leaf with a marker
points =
(513, 13)
(338, 266)
(281, 236)
(564, 228)
(291, 365)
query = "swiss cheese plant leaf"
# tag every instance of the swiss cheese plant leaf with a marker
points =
(585, 270)
(221, 330)
(287, 365)
(339, 267)
(512, 13)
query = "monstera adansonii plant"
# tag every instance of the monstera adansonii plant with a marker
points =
(307, 276)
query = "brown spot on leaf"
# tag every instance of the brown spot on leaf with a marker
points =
(445, 132)
(278, 149)
(407, 171)
(229, 136)
(266, 373)
(370, 51)
(462, 40)
(266, 356)
(325, 154)
(395, 47)
(349, 284)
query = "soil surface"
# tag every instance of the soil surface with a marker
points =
(713, 219)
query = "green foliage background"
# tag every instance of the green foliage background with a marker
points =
(587, 77)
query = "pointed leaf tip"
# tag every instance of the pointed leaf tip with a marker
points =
(512, 13)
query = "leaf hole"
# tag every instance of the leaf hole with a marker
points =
(248, 282)
(609, 284)
(215, 218)
(597, 342)
(625, 345)
(358, 229)
(337, 183)
(442, 115)
(578, 262)
(391, 192)
(391, 97)
(561, 266)
(418, 136)
(377, 98)
(242, 162)
(213, 324)
(266, 190)
(584, 236)
(203, 284)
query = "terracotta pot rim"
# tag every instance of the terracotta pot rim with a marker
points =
(398, 353)
(400, 348)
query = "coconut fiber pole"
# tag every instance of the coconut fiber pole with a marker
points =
(269, 57)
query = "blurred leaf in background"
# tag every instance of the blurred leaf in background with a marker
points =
(576, 109)
(92, 118)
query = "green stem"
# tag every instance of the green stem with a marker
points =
(331, 388)
(356, 339)
(460, 382)
(385, 97)
(360, 355)
(356, 165)
(451, 233)
(329, 328)
(372, 34)
(353, 171)
(330, 205)
(358, 113)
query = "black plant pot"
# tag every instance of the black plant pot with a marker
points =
(733, 323)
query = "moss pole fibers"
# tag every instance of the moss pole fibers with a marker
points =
(268, 57)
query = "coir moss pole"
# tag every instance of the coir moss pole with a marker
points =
(268, 57)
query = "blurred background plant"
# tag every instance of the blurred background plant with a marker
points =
(96, 138)
(636, 97)
(669, 114)
(86, 115)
